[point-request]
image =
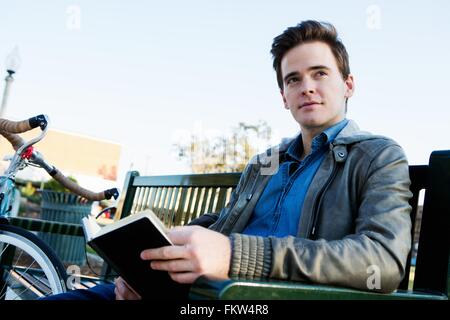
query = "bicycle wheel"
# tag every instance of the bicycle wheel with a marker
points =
(29, 269)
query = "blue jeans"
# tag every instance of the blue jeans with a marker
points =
(100, 292)
(105, 292)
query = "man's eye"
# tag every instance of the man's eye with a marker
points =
(292, 80)
(321, 73)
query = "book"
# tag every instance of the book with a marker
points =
(120, 245)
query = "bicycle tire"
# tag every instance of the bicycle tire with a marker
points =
(44, 256)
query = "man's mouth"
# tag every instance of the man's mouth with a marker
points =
(309, 103)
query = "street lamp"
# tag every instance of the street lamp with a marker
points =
(12, 64)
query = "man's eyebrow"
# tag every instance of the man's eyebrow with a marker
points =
(312, 68)
(319, 67)
(290, 74)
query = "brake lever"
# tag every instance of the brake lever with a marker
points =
(37, 159)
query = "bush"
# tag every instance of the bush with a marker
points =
(54, 185)
(29, 192)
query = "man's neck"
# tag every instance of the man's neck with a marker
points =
(308, 135)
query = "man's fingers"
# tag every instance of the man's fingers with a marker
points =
(123, 291)
(165, 253)
(117, 293)
(182, 235)
(119, 290)
(179, 265)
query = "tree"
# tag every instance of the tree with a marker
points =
(225, 153)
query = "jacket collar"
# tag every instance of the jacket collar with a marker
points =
(348, 135)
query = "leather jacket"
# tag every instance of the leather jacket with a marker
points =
(355, 222)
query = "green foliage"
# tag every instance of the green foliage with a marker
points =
(28, 189)
(227, 152)
(54, 185)
(29, 192)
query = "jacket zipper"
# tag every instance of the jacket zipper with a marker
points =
(221, 219)
(234, 219)
(318, 202)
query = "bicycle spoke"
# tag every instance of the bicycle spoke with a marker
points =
(5, 287)
(28, 270)
(28, 287)
(5, 280)
(4, 250)
(9, 274)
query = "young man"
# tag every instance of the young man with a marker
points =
(334, 209)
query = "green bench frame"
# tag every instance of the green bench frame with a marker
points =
(179, 199)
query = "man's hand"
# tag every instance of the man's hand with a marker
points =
(196, 251)
(124, 292)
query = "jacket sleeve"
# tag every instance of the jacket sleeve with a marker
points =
(373, 258)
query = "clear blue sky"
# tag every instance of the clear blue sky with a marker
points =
(140, 72)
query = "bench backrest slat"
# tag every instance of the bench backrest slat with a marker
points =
(172, 209)
(176, 199)
(191, 203)
(206, 199)
(180, 210)
(222, 197)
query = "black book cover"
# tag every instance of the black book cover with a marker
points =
(121, 249)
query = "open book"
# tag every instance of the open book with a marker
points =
(120, 245)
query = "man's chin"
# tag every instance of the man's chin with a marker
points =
(314, 123)
(310, 124)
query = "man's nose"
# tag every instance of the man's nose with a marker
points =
(307, 87)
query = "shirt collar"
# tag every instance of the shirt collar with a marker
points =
(295, 150)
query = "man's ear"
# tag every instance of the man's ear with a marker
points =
(350, 86)
(284, 100)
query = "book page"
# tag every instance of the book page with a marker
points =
(90, 227)
(144, 214)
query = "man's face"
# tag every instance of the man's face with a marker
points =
(313, 88)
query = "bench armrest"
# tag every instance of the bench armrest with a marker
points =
(204, 288)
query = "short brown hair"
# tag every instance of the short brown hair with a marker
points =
(309, 31)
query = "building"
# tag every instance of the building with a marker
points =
(93, 162)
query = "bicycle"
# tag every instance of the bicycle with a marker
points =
(27, 262)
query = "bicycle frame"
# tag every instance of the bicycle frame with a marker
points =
(7, 181)
(7, 195)
(18, 162)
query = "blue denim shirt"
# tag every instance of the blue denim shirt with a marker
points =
(278, 211)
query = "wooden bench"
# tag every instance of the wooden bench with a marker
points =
(179, 199)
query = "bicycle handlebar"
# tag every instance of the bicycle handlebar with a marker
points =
(75, 188)
(9, 130)
(15, 140)
(24, 125)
